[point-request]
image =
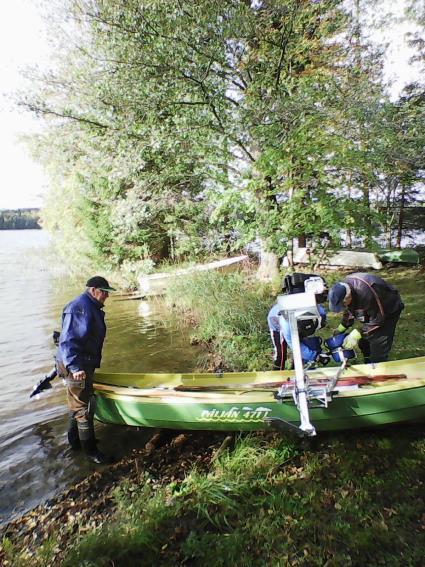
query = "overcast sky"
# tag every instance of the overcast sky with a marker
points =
(23, 42)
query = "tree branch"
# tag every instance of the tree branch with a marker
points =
(68, 116)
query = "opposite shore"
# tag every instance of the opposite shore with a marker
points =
(20, 219)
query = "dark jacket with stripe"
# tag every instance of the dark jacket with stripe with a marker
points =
(82, 335)
(373, 301)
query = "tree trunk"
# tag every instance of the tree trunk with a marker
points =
(349, 231)
(302, 241)
(269, 265)
(401, 219)
(358, 49)
(388, 221)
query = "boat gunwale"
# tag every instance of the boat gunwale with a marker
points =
(251, 385)
(369, 390)
(365, 369)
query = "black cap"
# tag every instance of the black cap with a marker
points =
(99, 283)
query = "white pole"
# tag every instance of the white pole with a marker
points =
(300, 377)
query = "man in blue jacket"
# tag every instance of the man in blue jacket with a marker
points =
(79, 354)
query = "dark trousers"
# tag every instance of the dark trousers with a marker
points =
(377, 347)
(279, 350)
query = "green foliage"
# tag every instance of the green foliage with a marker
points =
(14, 556)
(183, 130)
(230, 315)
(8, 548)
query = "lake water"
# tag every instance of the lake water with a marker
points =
(35, 460)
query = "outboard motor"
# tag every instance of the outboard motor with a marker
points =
(44, 383)
(300, 283)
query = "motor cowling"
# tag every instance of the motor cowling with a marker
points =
(299, 282)
(296, 283)
(307, 327)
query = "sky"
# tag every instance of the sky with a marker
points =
(23, 42)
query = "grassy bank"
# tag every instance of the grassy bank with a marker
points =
(269, 503)
(354, 498)
(229, 315)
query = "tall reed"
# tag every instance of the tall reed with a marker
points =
(229, 314)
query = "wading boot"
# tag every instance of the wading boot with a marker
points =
(73, 437)
(93, 454)
(89, 444)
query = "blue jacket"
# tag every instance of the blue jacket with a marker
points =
(82, 335)
(281, 325)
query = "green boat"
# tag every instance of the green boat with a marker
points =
(404, 256)
(345, 398)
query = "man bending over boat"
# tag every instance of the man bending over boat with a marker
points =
(79, 354)
(376, 304)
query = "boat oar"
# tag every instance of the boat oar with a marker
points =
(364, 380)
(351, 381)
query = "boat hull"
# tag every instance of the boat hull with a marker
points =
(385, 396)
(404, 256)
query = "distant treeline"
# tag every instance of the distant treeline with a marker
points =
(19, 219)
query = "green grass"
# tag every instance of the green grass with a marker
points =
(353, 500)
(229, 315)
(16, 556)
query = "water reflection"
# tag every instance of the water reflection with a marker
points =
(35, 461)
(144, 308)
(40, 464)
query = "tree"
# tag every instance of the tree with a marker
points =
(185, 128)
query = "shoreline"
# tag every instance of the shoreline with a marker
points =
(167, 456)
(368, 486)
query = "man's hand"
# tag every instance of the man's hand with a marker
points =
(80, 375)
(351, 340)
(340, 329)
